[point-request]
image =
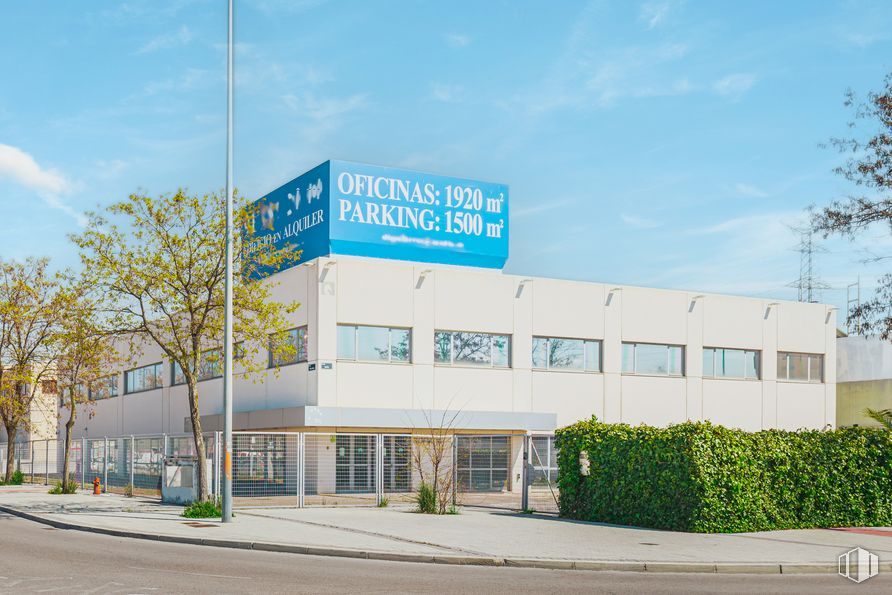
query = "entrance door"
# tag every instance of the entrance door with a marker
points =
(483, 463)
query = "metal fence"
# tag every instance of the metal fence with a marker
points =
(270, 469)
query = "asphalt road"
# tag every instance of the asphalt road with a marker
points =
(38, 559)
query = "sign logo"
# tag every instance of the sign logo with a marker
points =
(268, 215)
(858, 565)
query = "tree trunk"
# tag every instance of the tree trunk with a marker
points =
(198, 439)
(10, 451)
(69, 425)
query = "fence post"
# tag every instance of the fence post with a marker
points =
(31, 442)
(46, 464)
(83, 463)
(379, 468)
(454, 470)
(105, 467)
(217, 458)
(301, 469)
(525, 475)
(132, 460)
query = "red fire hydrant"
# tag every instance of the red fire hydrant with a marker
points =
(97, 486)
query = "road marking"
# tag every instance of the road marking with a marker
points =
(247, 578)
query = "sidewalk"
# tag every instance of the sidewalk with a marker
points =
(473, 537)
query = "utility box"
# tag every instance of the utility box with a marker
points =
(179, 483)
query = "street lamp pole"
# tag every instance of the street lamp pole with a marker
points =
(227, 316)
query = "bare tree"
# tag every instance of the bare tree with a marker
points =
(432, 457)
(869, 167)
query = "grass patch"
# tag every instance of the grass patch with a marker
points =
(426, 499)
(206, 509)
(69, 488)
(384, 503)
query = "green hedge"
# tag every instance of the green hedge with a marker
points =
(709, 479)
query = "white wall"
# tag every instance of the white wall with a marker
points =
(426, 298)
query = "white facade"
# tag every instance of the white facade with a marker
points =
(325, 392)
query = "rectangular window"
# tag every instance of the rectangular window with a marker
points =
(210, 366)
(144, 378)
(374, 343)
(800, 367)
(552, 353)
(652, 359)
(296, 339)
(472, 349)
(104, 388)
(719, 362)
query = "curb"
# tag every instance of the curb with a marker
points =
(538, 563)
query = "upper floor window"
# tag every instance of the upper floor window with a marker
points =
(472, 349)
(730, 363)
(144, 378)
(801, 367)
(210, 366)
(552, 353)
(104, 388)
(296, 339)
(649, 358)
(374, 343)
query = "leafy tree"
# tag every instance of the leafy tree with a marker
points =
(164, 272)
(869, 167)
(31, 311)
(86, 355)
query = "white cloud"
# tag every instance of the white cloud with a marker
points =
(652, 14)
(750, 190)
(735, 85)
(321, 110)
(49, 184)
(447, 93)
(747, 255)
(457, 40)
(639, 222)
(166, 41)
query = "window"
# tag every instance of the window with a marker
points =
(210, 366)
(800, 367)
(730, 363)
(144, 378)
(551, 353)
(647, 358)
(374, 343)
(104, 388)
(296, 339)
(472, 349)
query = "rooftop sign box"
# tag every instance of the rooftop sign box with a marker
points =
(357, 209)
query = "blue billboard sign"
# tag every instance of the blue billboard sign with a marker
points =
(357, 209)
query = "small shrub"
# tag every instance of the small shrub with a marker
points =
(453, 509)
(69, 488)
(17, 478)
(128, 490)
(206, 509)
(426, 499)
(384, 503)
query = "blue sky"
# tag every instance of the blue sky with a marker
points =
(663, 143)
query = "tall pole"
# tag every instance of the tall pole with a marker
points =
(227, 320)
